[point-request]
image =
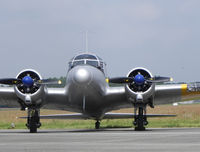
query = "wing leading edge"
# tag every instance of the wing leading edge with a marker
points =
(170, 93)
(8, 97)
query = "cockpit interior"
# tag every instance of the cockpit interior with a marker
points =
(87, 59)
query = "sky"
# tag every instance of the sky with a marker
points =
(160, 35)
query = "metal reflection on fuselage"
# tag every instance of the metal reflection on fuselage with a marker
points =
(82, 76)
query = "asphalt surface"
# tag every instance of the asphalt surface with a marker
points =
(112, 140)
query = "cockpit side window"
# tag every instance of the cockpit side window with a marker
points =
(101, 65)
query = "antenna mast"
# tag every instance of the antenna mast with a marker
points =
(86, 41)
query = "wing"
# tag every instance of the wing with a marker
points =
(116, 98)
(8, 98)
(164, 94)
(56, 98)
(170, 93)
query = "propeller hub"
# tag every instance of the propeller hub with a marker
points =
(27, 81)
(139, 79)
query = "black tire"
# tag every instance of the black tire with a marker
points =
(33, 125)
(140, 126)
(97, 125)
(33, 129)
(140, 121)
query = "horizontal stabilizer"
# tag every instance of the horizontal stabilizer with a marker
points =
(63, 116)
(130, 115)
(106, 116)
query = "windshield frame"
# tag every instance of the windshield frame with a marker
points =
(100, 64)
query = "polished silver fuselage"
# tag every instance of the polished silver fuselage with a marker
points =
(87, 90)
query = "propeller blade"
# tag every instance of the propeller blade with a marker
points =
(48, 81)
(9, 81)
(159, 79)
(121, 80)
(139, 79)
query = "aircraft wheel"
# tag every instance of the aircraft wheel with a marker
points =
(97, 125)
(33, 125)
(140, 126)
(33, 120)
(140, 120)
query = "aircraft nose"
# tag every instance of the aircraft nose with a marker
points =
(82, 76)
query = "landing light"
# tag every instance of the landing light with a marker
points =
(59, 82)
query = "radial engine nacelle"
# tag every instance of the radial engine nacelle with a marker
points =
(28, 88)
(141, 89)
(140, 85)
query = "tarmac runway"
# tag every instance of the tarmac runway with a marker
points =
(112, 140)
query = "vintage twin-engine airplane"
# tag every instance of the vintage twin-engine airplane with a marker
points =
(87, 92)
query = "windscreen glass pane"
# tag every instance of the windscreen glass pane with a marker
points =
(92, 63)
(75, 63)
(85, 56)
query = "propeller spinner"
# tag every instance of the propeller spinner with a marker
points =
(139, 79)
(27, 81)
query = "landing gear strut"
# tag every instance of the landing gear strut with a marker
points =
(140, 118)
(33, 120)
(97, 124)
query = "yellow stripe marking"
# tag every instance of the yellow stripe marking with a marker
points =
(184, 89)
(186, 95)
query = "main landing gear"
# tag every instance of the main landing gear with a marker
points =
(97, 124)
(33, 120)
(140, 118)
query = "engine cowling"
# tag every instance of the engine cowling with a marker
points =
(27, 90)
(140, 90)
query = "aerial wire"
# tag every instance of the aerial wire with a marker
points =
(86, 41)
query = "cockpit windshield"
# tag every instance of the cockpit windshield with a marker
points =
(85, 56)
(78, 63)
(87, 59)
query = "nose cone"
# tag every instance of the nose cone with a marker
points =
(82, 76)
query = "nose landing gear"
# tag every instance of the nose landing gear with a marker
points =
(140, 119)
(33, 120)
(97, 124)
